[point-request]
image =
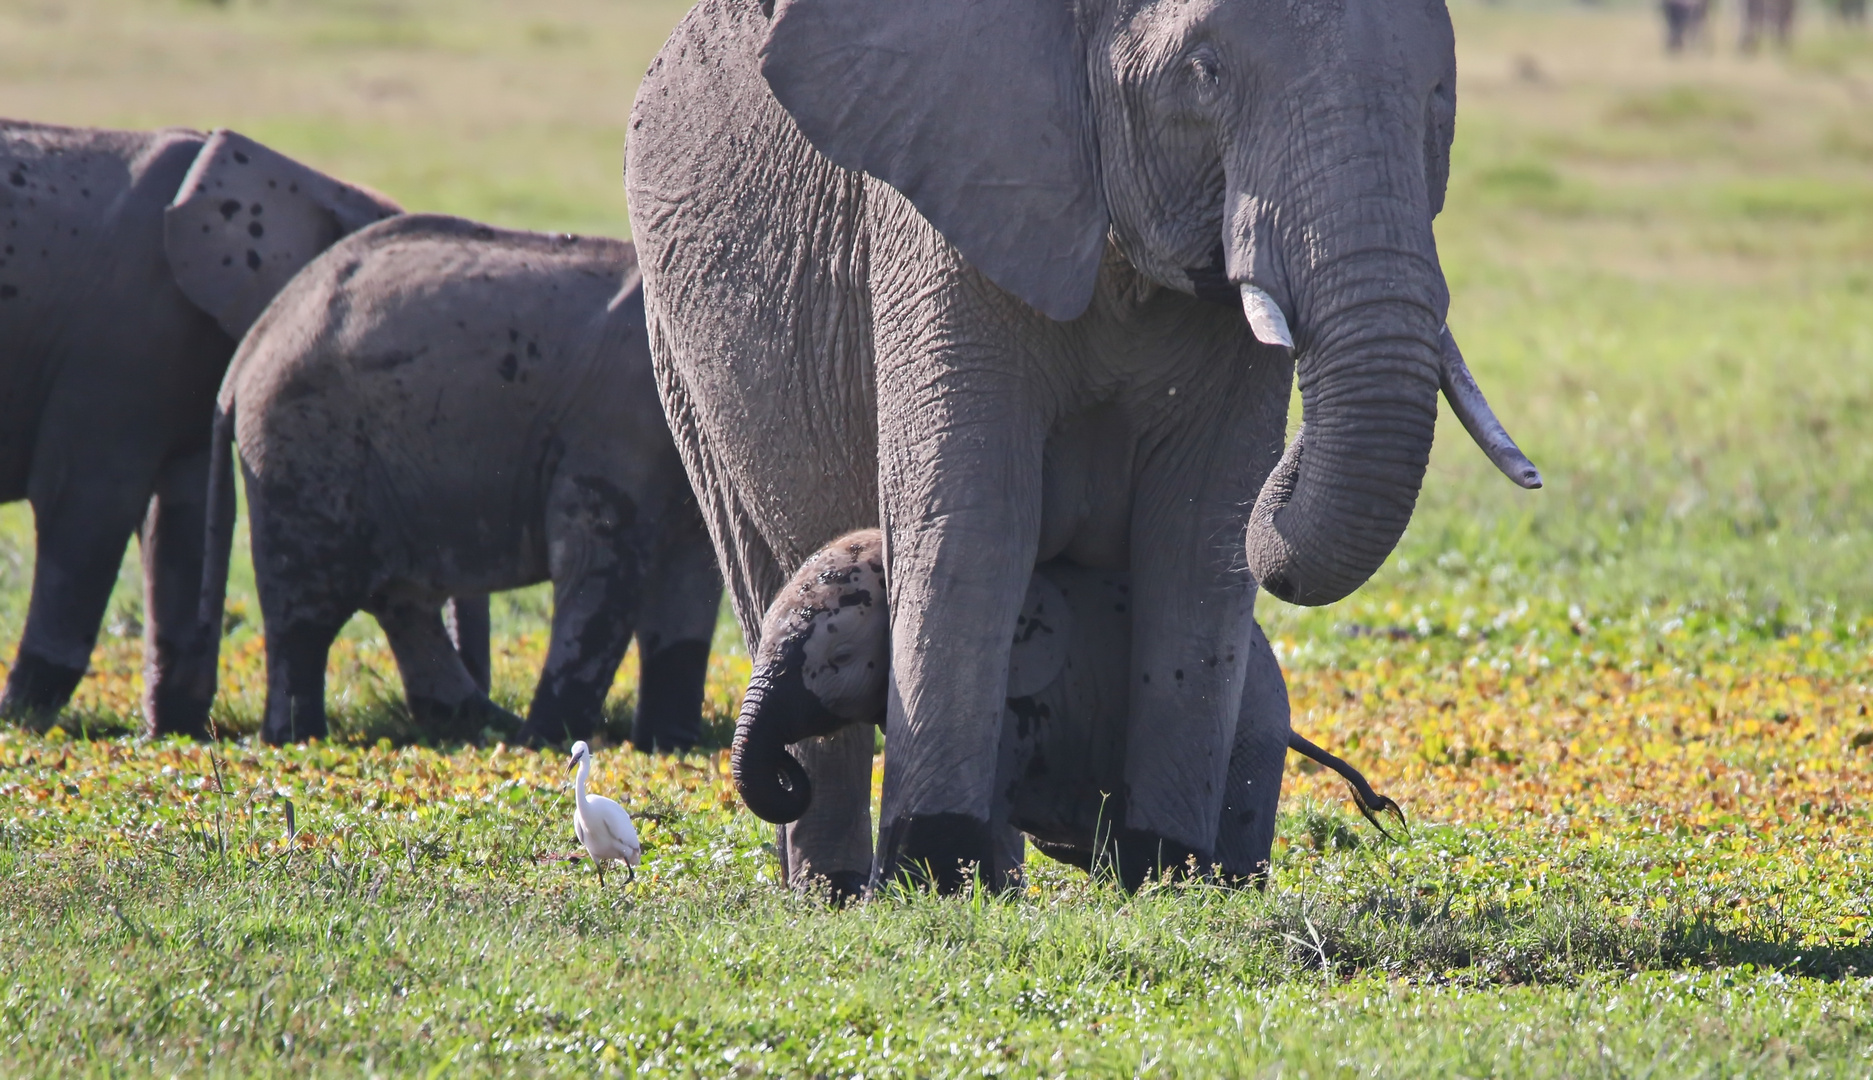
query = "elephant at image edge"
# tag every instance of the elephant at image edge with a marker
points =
(825, 655)
(436, 408)
(1041, 298)
(130, 264)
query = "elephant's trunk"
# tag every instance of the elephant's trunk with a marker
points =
(1368, 299)
(771, 781)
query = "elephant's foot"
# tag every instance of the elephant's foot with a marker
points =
(302, 719)
(37, 689)
(1137, 855)
(176, 712)
(946, 852)
(842, 886)
(464, 720)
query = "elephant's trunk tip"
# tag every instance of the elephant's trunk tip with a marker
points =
(771, 781)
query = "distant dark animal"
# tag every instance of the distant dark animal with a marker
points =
(437, 408)
(1774, 18)
(1684, 23)
(130, 264)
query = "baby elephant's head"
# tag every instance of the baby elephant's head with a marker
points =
(824, 656)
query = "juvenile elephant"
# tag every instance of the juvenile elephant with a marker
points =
(1026, 280)
(435, 407)
(825, 654)
(130, 264)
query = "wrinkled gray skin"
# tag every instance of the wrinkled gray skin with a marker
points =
(994, 297)
(437, 408)
(823, 664)
(130, 263)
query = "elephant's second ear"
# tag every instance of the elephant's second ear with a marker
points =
(977, 110)
(247, 218)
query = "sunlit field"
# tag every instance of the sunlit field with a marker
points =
(1626, 714)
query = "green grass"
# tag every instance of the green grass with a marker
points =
(1628, 714)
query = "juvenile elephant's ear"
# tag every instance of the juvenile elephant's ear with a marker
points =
(247, 218)
(977, 110)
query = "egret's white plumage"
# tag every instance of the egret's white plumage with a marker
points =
(600, 824)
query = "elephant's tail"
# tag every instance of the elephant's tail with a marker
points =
(1370, 802)
(220, 538)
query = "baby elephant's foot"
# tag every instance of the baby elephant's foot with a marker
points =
(469, 720)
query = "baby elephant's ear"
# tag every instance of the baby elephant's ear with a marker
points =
(247, 219)
(978, 111)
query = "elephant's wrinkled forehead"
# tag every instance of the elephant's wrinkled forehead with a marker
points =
(1289, 35)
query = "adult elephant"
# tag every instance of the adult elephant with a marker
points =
(130, 264)
(979, 272)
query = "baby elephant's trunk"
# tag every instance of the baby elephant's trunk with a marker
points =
(769, 778)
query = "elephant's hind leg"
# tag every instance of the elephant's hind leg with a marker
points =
(178, 664)
(445, 700)
(682, 599)
(296, 654)
(83, 525)
(309, 572)
(597, 563)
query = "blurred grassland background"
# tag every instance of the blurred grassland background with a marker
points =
(1628, 713)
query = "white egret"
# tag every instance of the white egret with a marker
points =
(600, 824)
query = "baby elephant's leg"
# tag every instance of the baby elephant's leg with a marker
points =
(444, 698)
(1245, 835)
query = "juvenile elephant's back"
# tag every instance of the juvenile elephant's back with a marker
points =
(444, 363)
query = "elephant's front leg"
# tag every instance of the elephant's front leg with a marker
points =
(1191, 637)
(959, 446)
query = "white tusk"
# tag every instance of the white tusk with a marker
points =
(1265, 317)
(1467, 401)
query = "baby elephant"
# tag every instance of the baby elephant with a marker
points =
(436, 408)
(823, 663)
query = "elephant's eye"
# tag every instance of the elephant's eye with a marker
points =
(1203, 68)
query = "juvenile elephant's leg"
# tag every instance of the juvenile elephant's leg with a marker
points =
(310, 579)
(469, 630)
(1246, 832)
(178, 661)
(296, 653)
(682, 600)
(823, 843)
(444, 699)
(597, 559)
(82, 524)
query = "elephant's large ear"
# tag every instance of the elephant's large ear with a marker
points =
(248, 218)
(977, 110)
